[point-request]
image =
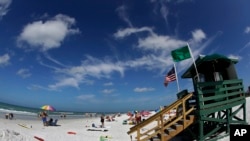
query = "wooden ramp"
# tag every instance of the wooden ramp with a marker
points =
(163, 125)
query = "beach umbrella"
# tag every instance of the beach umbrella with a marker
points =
(48, 108)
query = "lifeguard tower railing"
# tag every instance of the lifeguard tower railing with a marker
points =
(159, 128)
(218, 105)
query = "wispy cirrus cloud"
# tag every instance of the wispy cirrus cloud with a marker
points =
(144, 89)
(4, 7)
(24, 73)
(247, 45)
(122, 33)
(90, 68)
(86, 97)
(157, 48)
(108, 84)
(46, 35)
(123, 14)
(95, 68)
(108, 91)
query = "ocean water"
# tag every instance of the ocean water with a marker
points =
(20, 112)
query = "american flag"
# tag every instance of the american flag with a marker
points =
(170, 77)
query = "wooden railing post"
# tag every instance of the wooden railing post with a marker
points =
(138, 134)
(161, 126)
(184, 112)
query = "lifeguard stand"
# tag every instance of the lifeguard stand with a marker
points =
(219, 96)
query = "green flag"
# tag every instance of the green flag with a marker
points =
(181, 54)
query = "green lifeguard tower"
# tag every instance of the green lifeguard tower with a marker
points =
(218, 98)
(204, 114)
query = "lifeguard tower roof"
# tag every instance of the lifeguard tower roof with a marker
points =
(206, 63)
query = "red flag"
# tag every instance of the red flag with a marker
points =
(170, 77)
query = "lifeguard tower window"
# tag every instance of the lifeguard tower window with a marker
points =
(217, 76)
(201, 77)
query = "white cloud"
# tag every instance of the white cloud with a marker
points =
(247, 30)
(4, 60)
(247, 45)
(65, 82)
(160, 46)
(159, 42)
(123, 14)
(121, 33)
(86, 97)
(198, 35)
(4, 7)
(164, 12)
(91, 68)
(139, 90)
(49, 34)
(231, 56)
(108, 84)
(24, 73)
(108, 91)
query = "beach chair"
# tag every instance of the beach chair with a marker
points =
(54, 123)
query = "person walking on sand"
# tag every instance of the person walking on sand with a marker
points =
(102, 121)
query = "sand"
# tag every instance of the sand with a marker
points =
(11, 131)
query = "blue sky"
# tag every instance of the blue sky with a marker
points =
(96, 56)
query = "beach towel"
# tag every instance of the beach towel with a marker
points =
(98, 129)
(105, 129)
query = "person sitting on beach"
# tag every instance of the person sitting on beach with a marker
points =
(50, 122)
(93, 125)
(110, 118)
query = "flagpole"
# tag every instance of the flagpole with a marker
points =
(178, 87)
(194, 62)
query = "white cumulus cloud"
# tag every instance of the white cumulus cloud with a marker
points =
(198, 35)
(4, 60)
(45, 35)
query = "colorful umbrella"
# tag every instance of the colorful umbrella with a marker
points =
(48, 108)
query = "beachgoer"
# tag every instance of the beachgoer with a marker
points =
(50, 122)
(11, 115)
(6, 116)
(44, 118)
(102, 121)
(138, 118)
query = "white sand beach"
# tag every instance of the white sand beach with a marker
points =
(116, 130)
(11, 131)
